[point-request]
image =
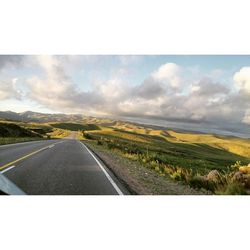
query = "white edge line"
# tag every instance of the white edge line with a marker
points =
(7, 169)
(118, 190)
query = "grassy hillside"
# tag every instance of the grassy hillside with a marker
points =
(14, 131)
(75, 126)
(203, 153)
(182, 156)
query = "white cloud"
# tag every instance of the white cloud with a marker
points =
(207, 87)
(53, 90)
(159, 96)
(56, 90)
(49, 64)
(9, 90)
(246, 118)
(165, 94)
(169, 74)
(111, 89)
(195, 88)
(242, 79)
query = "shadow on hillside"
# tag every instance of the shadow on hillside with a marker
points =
(75, 126)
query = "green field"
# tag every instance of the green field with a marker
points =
(197, 151)
(74, 126)
(182, 156)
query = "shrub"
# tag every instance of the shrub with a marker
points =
(245, 169)
(99, 142)
(169, 169)
(157, 169)
(87, 135)
(236, 166)
(177, 176)
(133, 157)
(154, 164)
(180, 174)
(235, 189)
(201, 182)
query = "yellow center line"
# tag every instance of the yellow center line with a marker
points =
(26, 156)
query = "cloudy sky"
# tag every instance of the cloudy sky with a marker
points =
(209, 90)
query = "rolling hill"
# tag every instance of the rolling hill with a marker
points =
(14, 130)
(30, 116)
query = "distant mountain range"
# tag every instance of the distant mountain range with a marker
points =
(241, 130)
(30, 116)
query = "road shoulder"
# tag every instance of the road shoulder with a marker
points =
(138, 179)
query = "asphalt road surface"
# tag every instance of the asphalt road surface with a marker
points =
(60, 167)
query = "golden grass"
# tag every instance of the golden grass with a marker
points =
(242, 149)
(98, 121)
(59, 133)
(193, 138)
(119, 134)
(139, 129)
(233, 145)
(140, 133)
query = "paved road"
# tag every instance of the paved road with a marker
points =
(59, 167)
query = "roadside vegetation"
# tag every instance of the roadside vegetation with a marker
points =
(206, 162)
(14, 132)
